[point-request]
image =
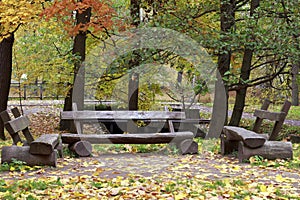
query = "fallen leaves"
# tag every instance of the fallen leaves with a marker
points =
(154, 176)
(183, 177)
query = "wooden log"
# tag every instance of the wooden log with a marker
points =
(188, 146)
(139, 138)
(126, 115)
(270, 150)
(21, 153)
(82, 148)
(44, 145)
(250, 138)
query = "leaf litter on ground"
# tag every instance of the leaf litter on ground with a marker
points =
(131, 175)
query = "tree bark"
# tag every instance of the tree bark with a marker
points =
(227, 19)
(133, 84)
(79, 49)
(6, 46)
(295, 85)
(245, 74)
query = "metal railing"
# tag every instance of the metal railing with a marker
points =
(35, 91)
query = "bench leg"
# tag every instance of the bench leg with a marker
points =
(228, 146)
(82, 148)
(59, 148)
(188, 146)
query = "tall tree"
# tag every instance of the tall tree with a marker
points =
(91, 17)
(6, 46)
(245, 72)
(13, 14)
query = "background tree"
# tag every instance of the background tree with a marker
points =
(89, 17)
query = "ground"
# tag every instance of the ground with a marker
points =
(156, 175)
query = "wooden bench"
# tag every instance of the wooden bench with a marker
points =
(249, 143)
(42, 151)
(191, 122)
(80, 142)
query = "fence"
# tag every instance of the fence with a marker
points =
(36, 91)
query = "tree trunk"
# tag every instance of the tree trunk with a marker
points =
(133, 91)
(133, 85)
(227, 19)
(295, 85)
(245, 74)
(77, 94)
(6, 46)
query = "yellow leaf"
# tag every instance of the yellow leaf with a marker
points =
(180, 196)
(263, 188)
(279, 178)
(12, 168)
(19, 144)
(247, 197)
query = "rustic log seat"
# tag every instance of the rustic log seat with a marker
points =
(249, 138)
(249, 143)
(132, 137)
(42, 151)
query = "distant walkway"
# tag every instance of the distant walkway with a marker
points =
(34, 106)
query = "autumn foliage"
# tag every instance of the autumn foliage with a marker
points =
(15, 13)
(65, 10)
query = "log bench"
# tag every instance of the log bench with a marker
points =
(40, 151)
(249, 142)
(80, 143)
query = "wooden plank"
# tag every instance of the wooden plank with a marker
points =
(44, 145)
(21, 153)
(278, 124)
(152, 138)
(250, 138)
(273, 116)
(258, 121)
(139, 115)
(19, 123)
(192, 121)
(14, 135)
(270, 150)
(26, 132)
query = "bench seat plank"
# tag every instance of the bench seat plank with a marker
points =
(138, 138)
(250, 138)
(44, 145)
(117, 115)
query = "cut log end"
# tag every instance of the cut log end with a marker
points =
(82, 148)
